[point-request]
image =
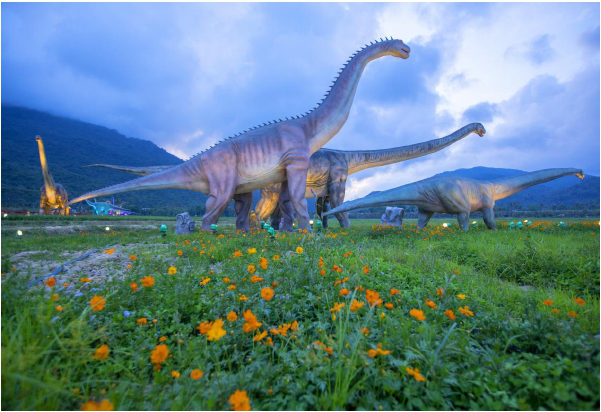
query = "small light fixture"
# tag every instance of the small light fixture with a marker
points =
(474, 222)
(6, 215)
(19, 233)
(310, 222)
(107, 228)
(526, 221)
(445, 225)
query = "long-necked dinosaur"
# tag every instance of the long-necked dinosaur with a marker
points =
(456, 195)
(53, 196)
(104, 208)
(268, 154)
(329, 170)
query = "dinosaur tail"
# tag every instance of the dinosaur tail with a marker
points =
(407, 194)
(364, 159)
(142, 171)
(189, 176)
(508, 186)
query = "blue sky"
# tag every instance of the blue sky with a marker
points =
(187, 75)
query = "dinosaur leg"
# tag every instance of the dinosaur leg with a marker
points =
(488, 215)
(423, 217)
(463, 219)
(321, 206)
(297, 185)
(286, 208)
(276, 216)
(242, 204)
(337, 190)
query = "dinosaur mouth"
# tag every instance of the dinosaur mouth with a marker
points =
(580, 175)
(481, 133)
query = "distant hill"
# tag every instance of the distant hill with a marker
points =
(71, 144)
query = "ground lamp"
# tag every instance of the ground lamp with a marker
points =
(213, 228)
(163, 230)
(317, 226)
(519, 225)
(561, 224)
(271, 231)
(262, 224)
(107, 228)
(511, 224)
(474, 223)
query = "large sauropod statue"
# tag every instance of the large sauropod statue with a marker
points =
(274, 152)
(456, 195)
(53, 196)
(329, 170)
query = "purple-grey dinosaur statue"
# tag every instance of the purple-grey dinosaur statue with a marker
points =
(53, 196)
(456, 195)
(277, 152)
(329, 170)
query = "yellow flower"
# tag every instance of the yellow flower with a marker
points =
(196, 374)
(54, 297)
(216, 332)
(175, 374)
(466, 311)
(337, 307)
(251, 322)
(299, 250)
(147, 281)
(251, 269)
(251, 251)
(97, 303)
(449, 314)
(232, 316)
(239, 401)
(104, 405)
(276, 257)
(102, 352)
(263, 263)
(242, 298)
(417, 314)
(172, 270)
(267, 293)
(356, 305)
(159, 354)
(461, 296)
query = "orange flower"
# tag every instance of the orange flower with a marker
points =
(276, 257)
(66, 284)
(344, 292)
(159, 354)
(97, 303)
(268, 341)
(337, 307)
(320, 263)
(226, 280)
(572, 314)
(242, 297)
(365, 270)
(580, 301)
(85, 280)
(104, 405)
(263, 263)
(260, 336)
(415, 373)
(456, 271)
(196, 374)
(231, 287)
(466, 311)
(54, 297)
(179, 253)
(204, 327)
(251, 322)
(555, 310)
(59, 308)
(172, 270)
(51, 282)
(547, 302)
(109, 251)
(440, 291)
(394, 292)
(162, 339)
(299, 250)
(322, 272)
(417, 314)
(175, 374)
(204, 281)
(267, 293)
(147, 281)
(431, 304)
(364, 331)
(461, 296)
(216, 332)
(372, 353)
(373, 298)
(356, 305)
(389, 305)
(251, 251)
(237, 253)
(232, 316)
(142, 321)
(102, 352)
(255, 279)
(449, 314)
(251, 269)
(240, 401)
(132, 258)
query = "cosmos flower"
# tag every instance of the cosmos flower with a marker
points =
(196, 374)
(267, 293)
(147, 281)
(97, 303)
(417, 314)
(239, 401)
(102, 352)
(159, 354)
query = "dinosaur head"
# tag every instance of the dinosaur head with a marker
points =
(580, 174)
(399, 49)
(480, 130)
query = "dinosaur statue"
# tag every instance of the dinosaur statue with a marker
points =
(456, 195)
(264, 155)
(104, 208)
(328, 172)
(52, 195)
(393, 216)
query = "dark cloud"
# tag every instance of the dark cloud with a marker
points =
(482, 113)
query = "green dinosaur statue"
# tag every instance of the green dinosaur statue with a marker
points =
(53, 196)
(456, 195)
(103, 208)
(328, 172)
(268, 154)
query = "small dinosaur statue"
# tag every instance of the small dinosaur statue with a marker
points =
(456, 195)
(268, 154)
(329, 170)
(103, 208)
(52, 195)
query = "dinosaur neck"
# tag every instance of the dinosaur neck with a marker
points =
(408, 194)
(49, 184)
(365, 159)
(329, 117)
(503, 188)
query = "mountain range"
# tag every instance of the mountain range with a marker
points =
(71, 144)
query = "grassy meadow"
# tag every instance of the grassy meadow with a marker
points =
(360, 318)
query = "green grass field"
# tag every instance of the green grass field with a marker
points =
(359, 318)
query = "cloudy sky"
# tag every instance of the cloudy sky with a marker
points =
(187, 75)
